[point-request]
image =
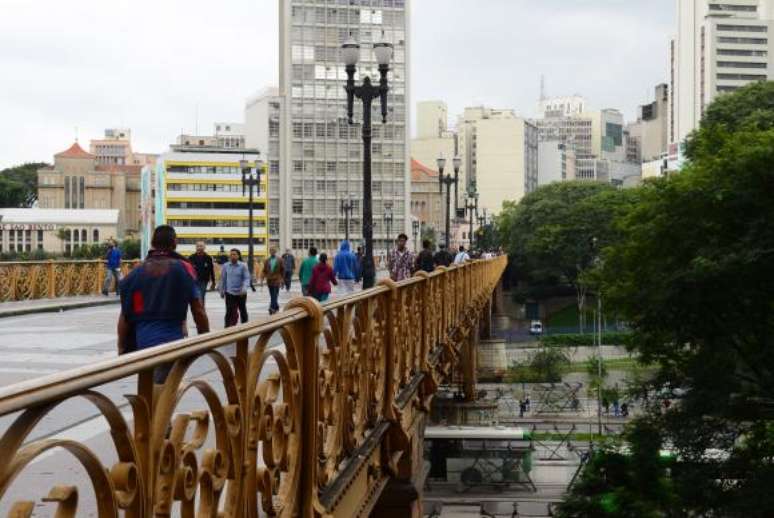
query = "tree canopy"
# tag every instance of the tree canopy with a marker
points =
(691, 272)
(19, 185)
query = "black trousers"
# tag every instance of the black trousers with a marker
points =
(288, 280)
(236, 306)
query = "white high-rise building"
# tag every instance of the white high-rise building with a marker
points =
(720, 46)
(321, 155)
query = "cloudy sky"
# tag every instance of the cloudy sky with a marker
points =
(159, 66)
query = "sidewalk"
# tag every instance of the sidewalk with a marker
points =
(26, 307)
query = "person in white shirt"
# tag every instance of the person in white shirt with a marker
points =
(461, 256)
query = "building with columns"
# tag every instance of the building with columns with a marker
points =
(76, 181)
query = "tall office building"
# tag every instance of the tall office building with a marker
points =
(321, 155)
(720, 46)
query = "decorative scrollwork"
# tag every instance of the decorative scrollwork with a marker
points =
(271, 430)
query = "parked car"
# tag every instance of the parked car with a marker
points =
(536, 328)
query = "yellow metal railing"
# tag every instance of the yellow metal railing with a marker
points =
(305, 414)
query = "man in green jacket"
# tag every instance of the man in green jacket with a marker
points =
(305, 273)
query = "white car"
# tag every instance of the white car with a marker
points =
(536, 328)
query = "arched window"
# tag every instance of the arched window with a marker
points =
(68, 241)
(84, 236)
(96, 235)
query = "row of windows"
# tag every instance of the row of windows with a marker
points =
(733, 7)
(320, 150)
(744, 28)
(20, 240)
(204, 187)
(344, 16)
(316, 109)
(743, 77)
(210, 223)
(333, 207)
(741, 52)
(321, 167)
(722, 89)
(213, 205)
(750, 41)
(740, 64)
(226, 241)
(324, 226)
(203, 169)
(341, 129)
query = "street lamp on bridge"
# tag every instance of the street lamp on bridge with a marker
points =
(472, 207)
(388, 218)
(347, 208)
(251, 181)
(367, 92)
(448, 180)
(415, 227)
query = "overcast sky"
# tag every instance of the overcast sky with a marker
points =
(154, 65)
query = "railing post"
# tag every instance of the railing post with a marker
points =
(390, 351)
(50, 279)
(308, 334)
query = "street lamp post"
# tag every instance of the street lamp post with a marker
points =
(388, 223)
(482, 224)
(448, 180)
(367, 92)
(415, 226)
(472, 207)
(251, 179)
(347, 208)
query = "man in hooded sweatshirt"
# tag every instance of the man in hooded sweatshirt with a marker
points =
(346, 268)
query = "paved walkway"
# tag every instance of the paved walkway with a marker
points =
(26, 307)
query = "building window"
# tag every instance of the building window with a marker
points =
(95, 234)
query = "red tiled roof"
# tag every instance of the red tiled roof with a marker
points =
(420, 172)
(75, 151)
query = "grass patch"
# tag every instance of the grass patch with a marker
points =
(618, 364)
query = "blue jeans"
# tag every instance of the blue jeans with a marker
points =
(274, 295)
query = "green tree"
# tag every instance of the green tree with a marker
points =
(553, 234)
(543, 366)
(19, 185)
(692, 274)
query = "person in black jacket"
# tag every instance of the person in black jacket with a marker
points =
(425, 259)
(443, 257)
(205, 269)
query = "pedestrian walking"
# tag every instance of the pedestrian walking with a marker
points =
(112, 267)
(345, 267)
(625, 410)
(462, 256)
(443, 257)
(155, 298)
(527, 403)
(425, 260)
(606, 405)
(522, 408)
(400, 261)
(274, 275)
(222, 256)
(205, 270)
(322, 278)
(234, 281)
(360, 257)
(616, 408)
(305, 271)
(289, 264)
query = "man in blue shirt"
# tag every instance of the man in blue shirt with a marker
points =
(112, 267)
(234, 281)
(155, 298)
(346, 268)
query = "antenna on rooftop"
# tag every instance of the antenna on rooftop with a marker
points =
(76, 133)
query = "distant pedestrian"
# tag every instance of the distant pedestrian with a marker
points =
(305, 271)
(222, 256)
(274, 275)
(527, 403)
(616, 408)
(155, 298)
(322, 278)
(400, 261)
(234, 281)
(205, 269)
(345, 267)
(606, 405)
(625, 410)
(522, 408)
(360, 257)
(443, 257)
(112, 267)
(289, 264)
(425, 261)
(462, 256)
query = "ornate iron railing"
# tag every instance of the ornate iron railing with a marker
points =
(309, 413)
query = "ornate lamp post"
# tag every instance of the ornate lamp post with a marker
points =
(388, 222)
(415, 225)
(251, 179)
(482, 223)
(347, 207)
(448, 180)
(472, 207)
(367, 92)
